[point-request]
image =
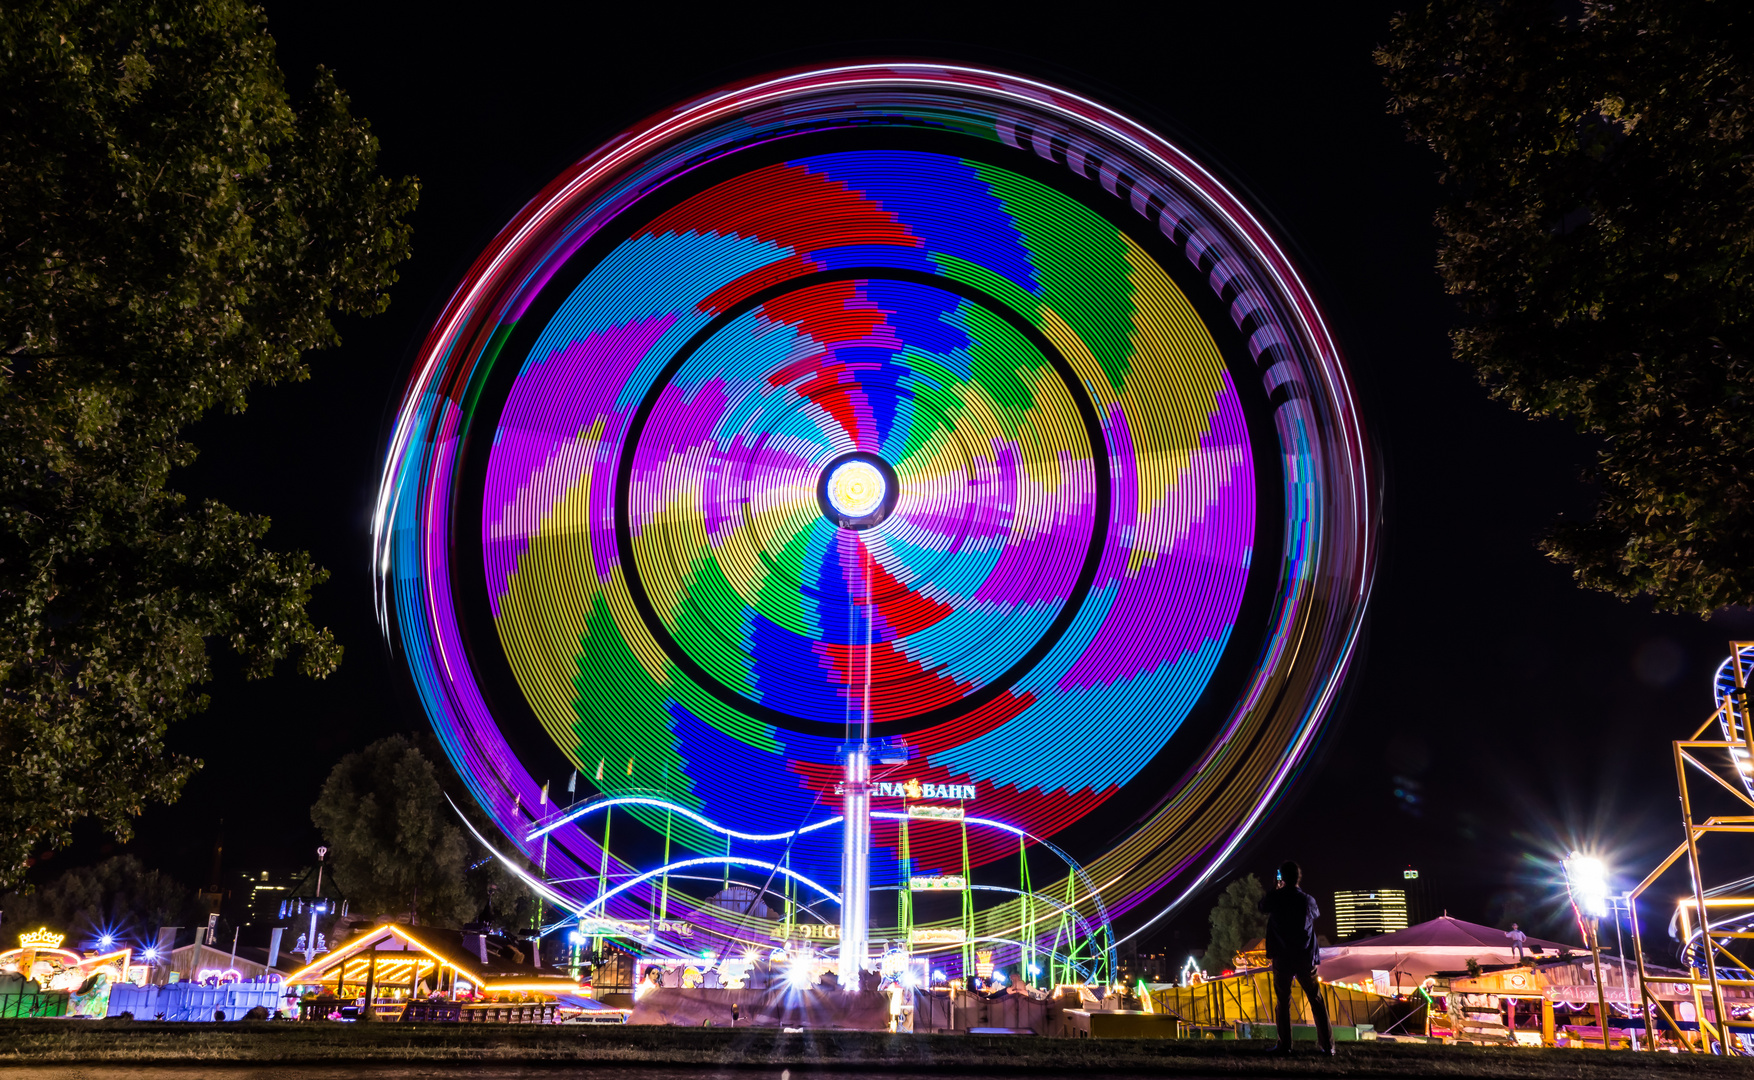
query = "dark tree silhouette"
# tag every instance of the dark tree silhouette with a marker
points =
(1598, 234)
(395, 844)
(398, 848)
(1236, 920)
(118, 896)
(173, 233)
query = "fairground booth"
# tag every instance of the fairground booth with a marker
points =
(1400, 962)
(428, 974)
(40, 978)
(1546, 993)
(1563, 1003)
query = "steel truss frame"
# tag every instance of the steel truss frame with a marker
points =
(1736, 722)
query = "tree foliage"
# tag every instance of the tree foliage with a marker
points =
(1236, 921)
(173, 232)
(394, 842)
(503, 903)
(1598, 233)
(118, 896)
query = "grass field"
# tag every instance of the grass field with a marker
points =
(101, 1049)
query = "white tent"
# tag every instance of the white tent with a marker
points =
(1413, 954)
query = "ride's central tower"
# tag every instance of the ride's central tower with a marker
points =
(855, 864)
(858, 492)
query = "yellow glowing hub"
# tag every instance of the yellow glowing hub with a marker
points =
(855, 489)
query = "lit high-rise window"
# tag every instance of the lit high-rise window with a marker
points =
(1363, 912)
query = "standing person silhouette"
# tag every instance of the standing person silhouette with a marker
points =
(1517, 940)
(1291, 945)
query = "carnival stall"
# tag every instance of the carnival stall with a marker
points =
(1560, 1004)
(200, 962)
(39, 978)
(1408, 957)
(428, 974)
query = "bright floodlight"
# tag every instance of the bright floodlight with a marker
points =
(106, 941)
(856, 488)
(1035, 969)
(152, 954)
(1587, 879)
(575, 937)
(798, 977)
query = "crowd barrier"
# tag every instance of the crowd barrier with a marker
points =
(21, 997)
(188, 1001)
(1247, 997)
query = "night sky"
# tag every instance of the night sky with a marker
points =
(1496, 713)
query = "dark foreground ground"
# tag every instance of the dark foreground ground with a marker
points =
(101, 1050)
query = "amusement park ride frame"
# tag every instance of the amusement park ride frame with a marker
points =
(1736, 721)
(1138, 181)
(1089, 943)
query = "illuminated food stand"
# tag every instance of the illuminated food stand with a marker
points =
(427, 974)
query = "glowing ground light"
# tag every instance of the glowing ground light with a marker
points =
(856, 488)
(948, 361)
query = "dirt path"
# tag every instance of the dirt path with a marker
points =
(257, 1071)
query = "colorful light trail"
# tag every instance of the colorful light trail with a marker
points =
(949, 361)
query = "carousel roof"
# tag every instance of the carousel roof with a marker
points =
(1448, 933)
(1443, 944)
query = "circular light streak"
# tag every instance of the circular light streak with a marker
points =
(1729, 689)
(945, 360)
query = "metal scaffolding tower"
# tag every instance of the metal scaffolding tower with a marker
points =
(1728, 762)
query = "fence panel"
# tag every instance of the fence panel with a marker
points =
(194, 1001)
(1247, 997)
(23, 999)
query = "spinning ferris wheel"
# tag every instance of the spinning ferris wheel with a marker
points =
(877, 479)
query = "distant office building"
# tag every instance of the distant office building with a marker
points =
(259, 893)
(1364, 912)
(1422, 902)
(1160, 966)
